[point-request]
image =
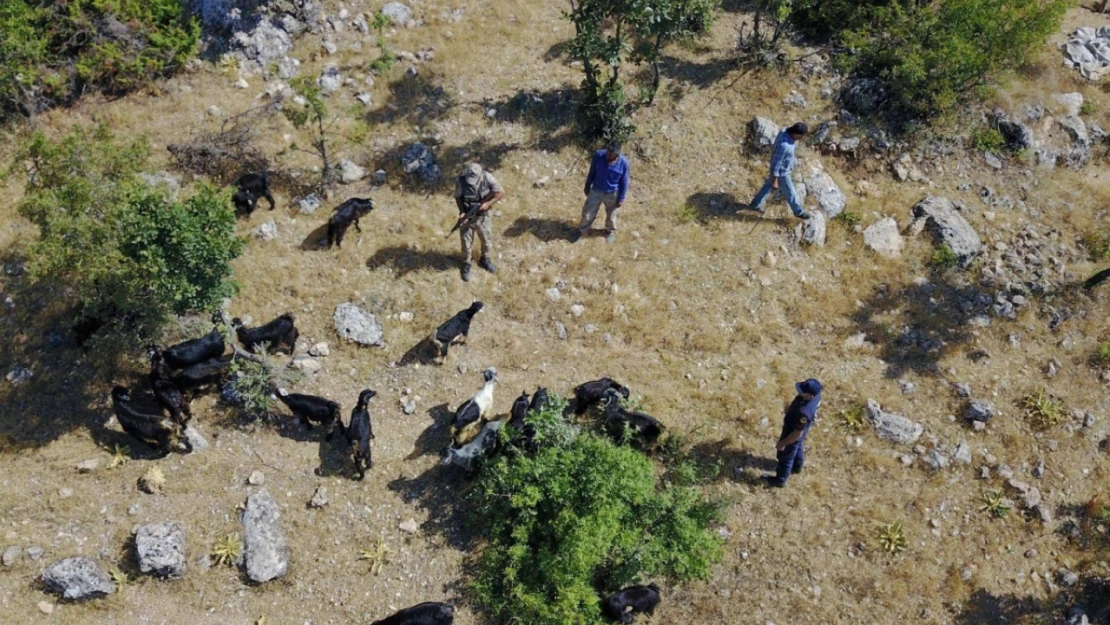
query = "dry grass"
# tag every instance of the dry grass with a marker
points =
(710, 337)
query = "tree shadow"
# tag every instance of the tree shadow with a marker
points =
(546, 230)
(436, 436)
(450, 161)
(916, 325)
(413, 100)
(437, 491)
(403, 260)
(552, 113)
(735, 464)
(698, 75)
(985, 608)
(556, 51)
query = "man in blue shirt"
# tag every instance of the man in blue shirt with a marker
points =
(607, 183)
(782, 163)
(791, 443)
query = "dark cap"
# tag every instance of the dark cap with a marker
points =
(809, 387)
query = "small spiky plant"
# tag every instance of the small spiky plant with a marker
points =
(121, 455)
(153, 480)
(851, 419)
(892, 538)
(378, 557)
(995, 504)
(1045, 410)
(119, 577)
(227, 550)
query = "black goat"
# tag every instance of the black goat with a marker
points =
(191, 352)
(469, 455)
(430, 613)
(623, 606)
(591, 393)
(359, 432)
(153, 429)
(345, 214)
(454, 330)
(525, 432)
(251, 187)
(169, 396)
(204, 373)
(311, 408)
(519, 409)
(277, 334)
(643, 428)
(540, 400)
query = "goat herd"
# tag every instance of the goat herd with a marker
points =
(201, 363)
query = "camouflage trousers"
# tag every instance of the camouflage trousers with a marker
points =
(481, 226)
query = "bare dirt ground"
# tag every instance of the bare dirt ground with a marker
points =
(685, 308)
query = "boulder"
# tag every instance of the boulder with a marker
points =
(266, 232)
(1018, 136)
(19, 375)
(812, 231)
(963, 453)
(354, 324)
(161, 549)
(308, 204)
(77, 579)
(824, 191)
(949, 227)
(883, 237)
(266, 552)
(893, 427)
(329, 79)
(398, 13)
(1076, 129)
(935, 460)
(262, 46)
(980, 410)
(350, 172)
(1070, 103)
(762, 133)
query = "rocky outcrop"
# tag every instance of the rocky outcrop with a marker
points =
(893, 427)
(949, 227)
(266, 552)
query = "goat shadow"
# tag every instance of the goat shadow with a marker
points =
(546, 230)
(423, 352)
(436, 436)
(437, 492)
(317, 240)
(335, 457)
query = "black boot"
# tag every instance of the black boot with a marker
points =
(484, 263)
(466, 272)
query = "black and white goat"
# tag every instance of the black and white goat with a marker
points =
(249, 188)
(155, 430)
(347, 213)
(590, 393)
(191, 352)
(643, 429)
(429, 613)
(475, 411)
(623, 606)
(202, 374)
(311, 408)
(454, 330)
(280, 333)
(168, 395)
(469, 455)
(359, 432)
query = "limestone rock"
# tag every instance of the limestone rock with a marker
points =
(319, 498)
(330, 80)
(949, 227)
(824, 190)
(354, 324)
(266, 232)
(398, 13)
(762, 133)
(812, 231)
(308, 204)
(883, 237)
(418, 160)
(893, 427)
(161, 549)
(78, 578)
(266, 552)
(349, 172)
(980, 410)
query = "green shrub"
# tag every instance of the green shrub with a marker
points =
(1102, 354)
(51, 52)
(252, 382)
(1098, 245)
(123, 250)
(386, 59)
(1088, 108)
(931, 55)
(848, 219)
(944, 257)
(988, 140)
(580, 518)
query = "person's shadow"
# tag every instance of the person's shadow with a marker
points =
(736, 464)
(546, 230)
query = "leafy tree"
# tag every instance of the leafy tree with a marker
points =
(609, 32)
(51, 52)
(581, 518)
(129, 255)
(315, 116)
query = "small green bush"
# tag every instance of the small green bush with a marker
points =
(1088, 108)
(51, 52)
(848, 219)
(385, 60)
(580, 518)
(944, 257)
(988, 140)
(1102, 354)
(123, 250)
(1098, 245)
(252, 383)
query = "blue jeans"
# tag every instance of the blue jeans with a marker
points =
(786, 187)
(790, 461)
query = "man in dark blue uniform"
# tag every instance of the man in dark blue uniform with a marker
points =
(791, 444)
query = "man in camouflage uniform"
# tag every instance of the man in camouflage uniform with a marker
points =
(474, 186)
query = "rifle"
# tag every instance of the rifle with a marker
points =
(465, 218)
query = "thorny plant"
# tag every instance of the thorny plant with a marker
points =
(892, 538)
(378, 557)
(995, 504)
(227, 550)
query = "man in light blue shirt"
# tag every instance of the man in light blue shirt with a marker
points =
(782, 163)
(607, 183)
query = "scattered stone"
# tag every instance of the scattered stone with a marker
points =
(11, 555)
(577, 310)
(1070, 102)
(195, 438)
(257, 478)
(214, 111)
(262, 46)
(319, 498)
(1038, 471)
(824, 190)
(963, 453)
(1030, 553)
(405, 317)
(812, 230)
(88, 466)
(561, 330)
(949, 227)
(365, 98)
(856, 341)
(329, 47)
(46, 607)
(242, 84)
(306, 364)
(409, 407)
(78, 578)
(19, 375)
(552, 294)
(379, 177)
(34, 552)
(935, 460)
(1076, 128)
(266, 232)
(893, 427)
(409, 527)
(354, 324)
(418, 159)
(1067, 578)
(796, 100)
(980, 410)
(963, 390)
(992, 160)
(349, 172)
(883, 237)
(1032, 498)
(762, 133)
(320, 350)
(266, 551)
(309, 204)
(398, 13)
(769, 259)
(161, 549)
(542, 182)
(906, 386)
(330, 80)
